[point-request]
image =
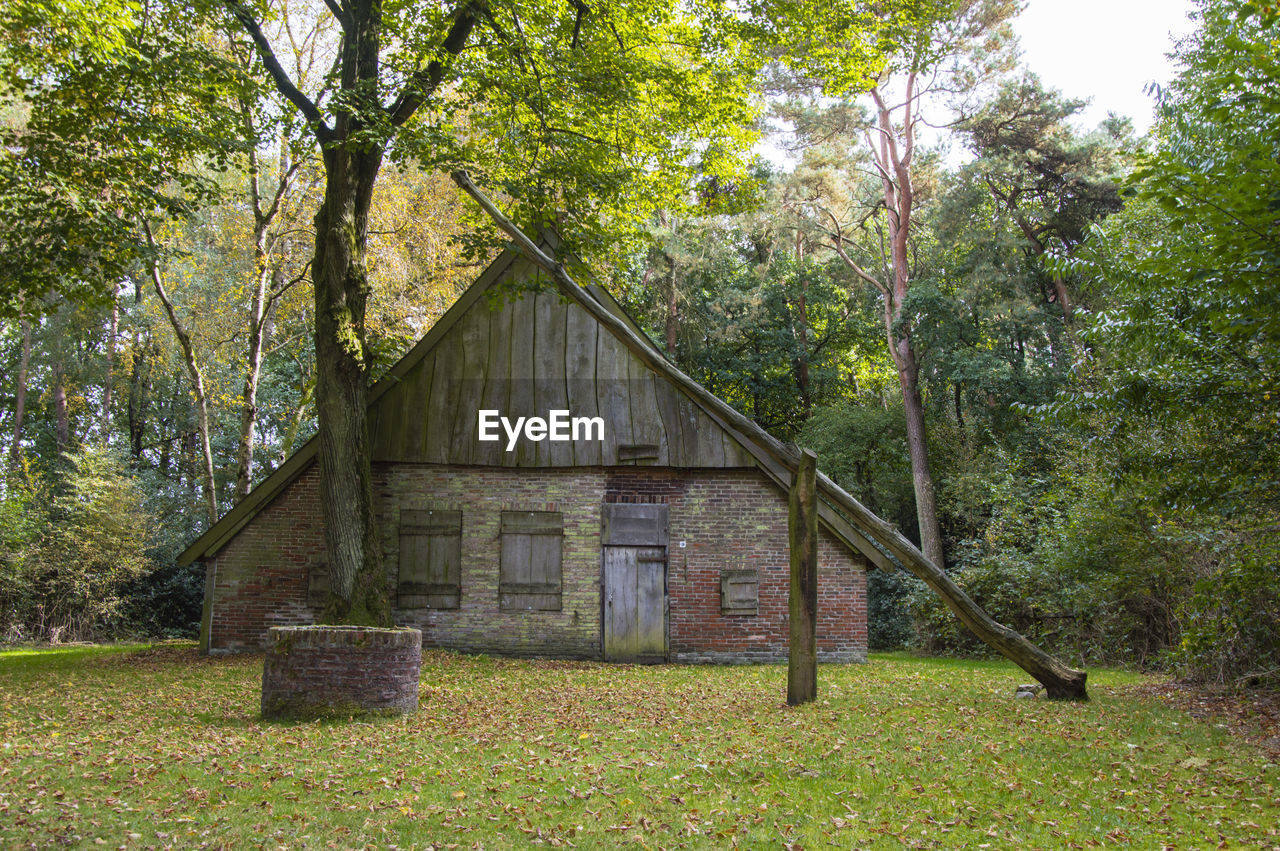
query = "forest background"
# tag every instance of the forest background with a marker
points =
(1046, 352)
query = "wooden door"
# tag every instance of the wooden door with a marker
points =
(635, 604)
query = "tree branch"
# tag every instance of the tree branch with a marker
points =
(281, 77)
(424, 83)
(343, 17)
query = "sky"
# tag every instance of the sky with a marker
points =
(1104, 50)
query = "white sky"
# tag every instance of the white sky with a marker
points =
(1104, 50)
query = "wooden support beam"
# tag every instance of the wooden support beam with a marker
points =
(802, 526)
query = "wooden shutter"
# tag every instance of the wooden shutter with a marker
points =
(529, 576)
(739, 592)
(430, 560)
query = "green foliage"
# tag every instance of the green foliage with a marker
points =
(760, 352)
(1177, 396)
(19, 528)
(863, 448)
(591, 118)
(110, 110)
(889, 623)
(1188, 356)
(1232, 620)
(70, 579)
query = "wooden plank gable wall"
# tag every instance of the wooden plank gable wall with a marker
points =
(529, 355)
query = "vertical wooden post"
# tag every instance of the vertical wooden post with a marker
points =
(802, 658)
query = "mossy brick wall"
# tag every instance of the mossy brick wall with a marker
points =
(483, 493)
(736, 520)
(312, 672)
(729, 519)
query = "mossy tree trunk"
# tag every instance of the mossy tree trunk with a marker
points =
(353, 145)
(357, 580)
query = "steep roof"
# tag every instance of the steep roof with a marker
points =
(396, 436)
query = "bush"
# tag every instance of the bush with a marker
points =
(71, 578)
(888, 618)
(1232, 632)
(167, 603)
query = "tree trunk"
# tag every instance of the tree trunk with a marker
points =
(259, 331)
(112, 330)
(893, 162)
(802, 652)
(672, 328)
(357, 581)
(266, 290)
(20, 394)
(139, 395)
(918, 449)
(801, 335)
(1064, 298)
(197, 390)
(295, 422)
(353, 148)
(62, 422)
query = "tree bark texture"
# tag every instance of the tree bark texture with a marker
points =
(893, 163)
(918, 449)
(802, 525)
(62, 421)
(259, 331)
(356, 576)
(113, 329)
(353, 147)
(672, 329)
(267, 289)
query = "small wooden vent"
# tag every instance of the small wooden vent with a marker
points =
(637, 452)
(739, 592)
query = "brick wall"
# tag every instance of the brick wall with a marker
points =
(341, 670)
(483, 493)
(737, 520)
(728, 519)
(259, 579)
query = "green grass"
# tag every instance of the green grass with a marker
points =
(162, 747)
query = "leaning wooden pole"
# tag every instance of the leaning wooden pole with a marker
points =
(802, 525)
(779, 462)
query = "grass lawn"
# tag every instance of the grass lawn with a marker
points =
(160, 747)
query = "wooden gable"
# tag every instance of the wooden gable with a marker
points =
(487, 351)
(526, 354)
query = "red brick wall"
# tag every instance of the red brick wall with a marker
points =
(259, 578)
(732, 520)
(728, 519)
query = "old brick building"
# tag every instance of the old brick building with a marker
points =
(659, 533)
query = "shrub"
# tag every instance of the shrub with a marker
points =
(92, 546)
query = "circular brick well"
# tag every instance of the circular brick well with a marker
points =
(318, 671)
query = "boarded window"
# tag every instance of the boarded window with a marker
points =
(530, 570)
(739, 592)
(430, 560)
